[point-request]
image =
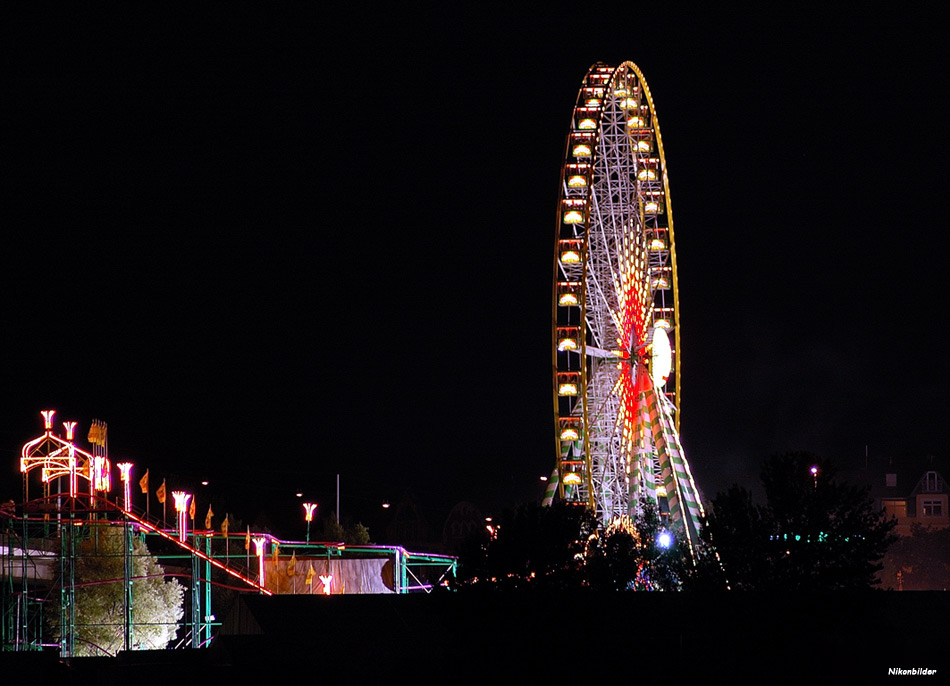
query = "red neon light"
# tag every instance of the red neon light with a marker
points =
(195, 551)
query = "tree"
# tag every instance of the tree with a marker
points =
(813, 533)
(632, 558)
(157, 604)
(532, 547)
(919, 562)
(332, 530)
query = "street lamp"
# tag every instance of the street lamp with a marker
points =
(308, 515)
(814, 473)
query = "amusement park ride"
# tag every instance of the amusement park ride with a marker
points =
(617, 387)
(616, 343)
(42, 540)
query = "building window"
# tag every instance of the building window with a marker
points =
(895, 507)
(930, 482)
(933, 508)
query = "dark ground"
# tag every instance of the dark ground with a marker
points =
(643, 638)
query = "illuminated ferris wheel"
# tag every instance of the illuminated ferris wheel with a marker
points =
(616, 312)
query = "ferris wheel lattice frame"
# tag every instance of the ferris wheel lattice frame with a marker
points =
(616, 333)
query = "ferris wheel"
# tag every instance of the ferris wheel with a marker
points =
(616, 344)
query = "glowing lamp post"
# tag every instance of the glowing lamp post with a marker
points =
(181, 507)
(814, 473)
(259, 551)
(125, 474)
(308, 515)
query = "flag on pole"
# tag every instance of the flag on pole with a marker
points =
(208, 517)
(224, 524)
(276, 551)
(292, 565)
(160, 493)
(309, 578)
(143, 483)
(191, 511)
(97, 433)
(247, 539)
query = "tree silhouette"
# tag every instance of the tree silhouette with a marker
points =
(813, 533)
(532, 547)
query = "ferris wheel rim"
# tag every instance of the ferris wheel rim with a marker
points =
(587, 367)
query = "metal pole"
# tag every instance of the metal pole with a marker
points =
(128, 584)
(338, 499)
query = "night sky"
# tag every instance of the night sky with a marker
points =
(269, 249)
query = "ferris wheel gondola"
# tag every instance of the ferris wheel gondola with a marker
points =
(616, 343)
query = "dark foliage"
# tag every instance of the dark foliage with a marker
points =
(813, 533)
(533, 547)
(620, 559)
(919, 562)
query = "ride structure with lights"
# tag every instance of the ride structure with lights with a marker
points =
(41, 543)
(616, 343)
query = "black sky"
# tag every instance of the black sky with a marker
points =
(269, 249)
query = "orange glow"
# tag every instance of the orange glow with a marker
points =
(570, 257)
(657, 244)
(101, 474)
(125, 474)
(635, 122)
(181, 506)
(629, 103)
(581, 151)
(567, 344)
(567, 389)
(569, 435)
(592, 102)
(573, 217)
(644, 146)
(577, 181)
(309, 508)
(587, 124)
(572, 479)
(646, 175)
(259, 551)
(660, 282)
(567, 299)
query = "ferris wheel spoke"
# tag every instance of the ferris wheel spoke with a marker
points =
(615, 299)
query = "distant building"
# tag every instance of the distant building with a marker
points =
(914, 492)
